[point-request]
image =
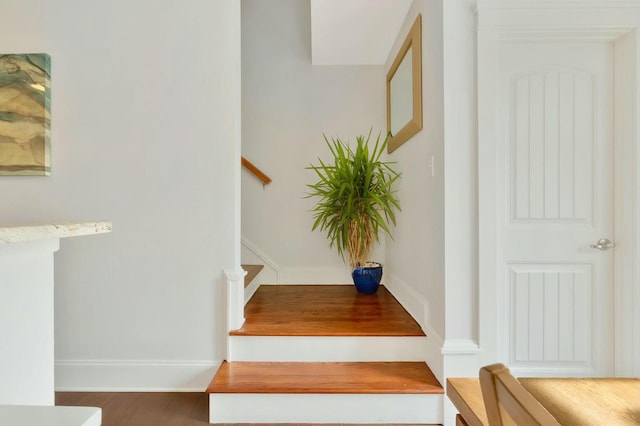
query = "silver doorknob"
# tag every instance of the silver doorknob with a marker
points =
(603, 244)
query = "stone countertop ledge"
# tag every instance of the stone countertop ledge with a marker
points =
(18, 234)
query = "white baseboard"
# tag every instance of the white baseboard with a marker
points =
(250, 248)
(433, 358)
(413, 302)
(329, 275)
(133, 376)
(251, 289)
(416, 306)
(278, 274)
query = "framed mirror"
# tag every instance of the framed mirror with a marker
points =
(404, 89)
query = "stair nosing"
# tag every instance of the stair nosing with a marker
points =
(309, 378)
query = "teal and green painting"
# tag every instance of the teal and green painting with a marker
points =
(25, 120)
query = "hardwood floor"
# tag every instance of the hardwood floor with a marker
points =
(325, 310)
(144, 409)
(325, 378)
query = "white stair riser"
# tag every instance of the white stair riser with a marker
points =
(326, 349)
(325, 408)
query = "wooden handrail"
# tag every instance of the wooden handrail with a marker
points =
(256, 171)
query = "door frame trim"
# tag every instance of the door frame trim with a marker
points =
(627, 196)
(495, 26)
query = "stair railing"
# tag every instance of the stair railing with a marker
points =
(256, 171)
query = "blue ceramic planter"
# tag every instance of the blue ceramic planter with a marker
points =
(367, 278)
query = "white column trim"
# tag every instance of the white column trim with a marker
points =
(235, 298)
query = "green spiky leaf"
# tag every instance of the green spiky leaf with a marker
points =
(356, 189)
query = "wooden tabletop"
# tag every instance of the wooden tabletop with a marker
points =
(466, 395)
(588, 401)
(579, 401)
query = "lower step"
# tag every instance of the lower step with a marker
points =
(327, 392)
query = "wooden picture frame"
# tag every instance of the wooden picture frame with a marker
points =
(404, 89)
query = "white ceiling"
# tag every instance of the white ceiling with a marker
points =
(355, 32)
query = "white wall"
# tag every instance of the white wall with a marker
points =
(434, 255)
(354, 32)
(415, 257)
(287, 104)
(433, 260)
(145, 133)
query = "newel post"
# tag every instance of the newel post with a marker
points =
(235, 298)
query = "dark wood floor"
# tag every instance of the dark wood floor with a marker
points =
(325, 310)
(144, 409)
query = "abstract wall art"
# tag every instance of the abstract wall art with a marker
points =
(25, 120)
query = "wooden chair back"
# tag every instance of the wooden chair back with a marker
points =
(508, 403)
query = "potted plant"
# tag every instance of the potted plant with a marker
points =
(356, 201)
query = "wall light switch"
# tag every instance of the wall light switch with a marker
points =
(431, 166)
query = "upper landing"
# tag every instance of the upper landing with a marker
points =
(325, 310)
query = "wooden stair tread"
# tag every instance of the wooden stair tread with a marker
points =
(325, 310)
(325, 378)
(252, 272)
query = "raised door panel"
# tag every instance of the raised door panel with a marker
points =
(551, 146)
(551, 314)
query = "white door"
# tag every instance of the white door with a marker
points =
(555, 194)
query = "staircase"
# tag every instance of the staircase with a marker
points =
(325, 354)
